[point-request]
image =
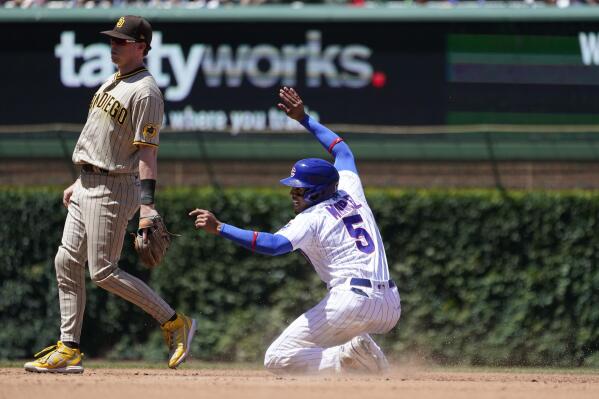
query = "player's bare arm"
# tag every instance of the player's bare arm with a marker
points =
(148, 169)
(206, 221)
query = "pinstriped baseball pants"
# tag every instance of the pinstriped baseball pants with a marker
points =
(311, 343)
(94, 231)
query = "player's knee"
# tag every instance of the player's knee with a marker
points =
(101, 276)
(64, 258)
(64, 261)
(271, 360)
(277, 361)
(61, 260)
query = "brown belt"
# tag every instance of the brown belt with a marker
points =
(87, 168)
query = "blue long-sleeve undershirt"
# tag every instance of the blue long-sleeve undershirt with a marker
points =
(266, 243)
(344, 158)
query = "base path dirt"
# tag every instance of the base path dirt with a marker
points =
(258, 384)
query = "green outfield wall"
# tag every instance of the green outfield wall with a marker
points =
(476, 143)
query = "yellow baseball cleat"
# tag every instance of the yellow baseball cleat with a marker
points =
(178, 335)
(57, 358)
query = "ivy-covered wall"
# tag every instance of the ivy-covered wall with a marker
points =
(484, 278)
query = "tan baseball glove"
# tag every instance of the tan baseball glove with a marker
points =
(152, 240)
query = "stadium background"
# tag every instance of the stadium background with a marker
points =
(496, 99)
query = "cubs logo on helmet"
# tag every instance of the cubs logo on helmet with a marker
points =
(319, 177)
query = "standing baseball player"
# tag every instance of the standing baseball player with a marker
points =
(336, 231)
(117, 152)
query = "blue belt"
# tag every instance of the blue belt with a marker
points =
(364, 282)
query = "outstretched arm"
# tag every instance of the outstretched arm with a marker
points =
(293, 106)
(261, 242)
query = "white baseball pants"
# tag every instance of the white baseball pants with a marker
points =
(100, 207)
(311, 343)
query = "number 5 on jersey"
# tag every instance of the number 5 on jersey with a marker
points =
(359, 233)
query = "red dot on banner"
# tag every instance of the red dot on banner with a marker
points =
(379, 79)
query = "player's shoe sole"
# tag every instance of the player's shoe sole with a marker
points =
(56, 359)
(60, 370)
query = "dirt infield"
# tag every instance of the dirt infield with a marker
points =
(101, 383)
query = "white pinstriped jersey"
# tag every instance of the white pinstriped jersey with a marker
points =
(339, 236)
(125, 112)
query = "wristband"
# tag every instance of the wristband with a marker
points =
(334, 143)
(148, 186)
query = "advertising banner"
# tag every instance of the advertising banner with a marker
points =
(225, 76)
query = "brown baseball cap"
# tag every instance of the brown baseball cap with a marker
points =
(132, 27)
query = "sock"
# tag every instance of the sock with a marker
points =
(173, 318)
(71, 344)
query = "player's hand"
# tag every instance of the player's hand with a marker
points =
(67, 194)
(146, 211)
(291, 103)
(205, 220)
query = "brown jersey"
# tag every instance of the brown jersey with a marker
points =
(125, 112)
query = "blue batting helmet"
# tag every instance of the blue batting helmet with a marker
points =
(319, 177)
